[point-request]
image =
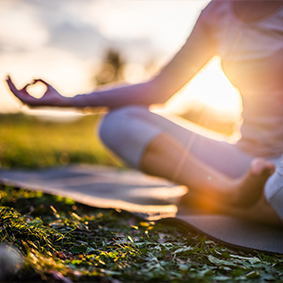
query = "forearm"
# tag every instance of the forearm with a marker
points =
(139, 94)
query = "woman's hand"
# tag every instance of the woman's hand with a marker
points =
(51, 97)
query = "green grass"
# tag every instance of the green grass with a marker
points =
(60, 238)
(56, 239)
(28, 142)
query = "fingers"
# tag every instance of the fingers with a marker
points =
(12, 86)
(49, 87)
(24, 89)
(41, 81)
(22, 94)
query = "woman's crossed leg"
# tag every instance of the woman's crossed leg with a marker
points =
(215, 170)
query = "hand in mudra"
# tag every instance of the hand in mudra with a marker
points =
(51, 97)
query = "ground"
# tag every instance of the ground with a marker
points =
(49, 239)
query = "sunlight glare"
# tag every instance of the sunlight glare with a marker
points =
(212, 88)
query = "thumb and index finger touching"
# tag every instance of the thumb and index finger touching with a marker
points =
(24, 89)
(23, 94)
(42, 81)
(10, 82)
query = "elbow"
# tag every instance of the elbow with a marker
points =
(157, 93)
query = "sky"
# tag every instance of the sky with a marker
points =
(64, 41)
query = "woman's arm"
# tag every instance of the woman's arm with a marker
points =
(195, 53)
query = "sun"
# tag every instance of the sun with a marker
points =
(211, 88)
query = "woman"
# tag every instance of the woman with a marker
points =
(248, 37)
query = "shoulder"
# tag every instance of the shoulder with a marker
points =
(215, 10)
(214, 15)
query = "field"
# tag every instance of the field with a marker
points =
(52, 239)
(28, 142)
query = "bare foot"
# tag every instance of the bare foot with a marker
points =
(248, 189)
(260, 211)
(239, 193)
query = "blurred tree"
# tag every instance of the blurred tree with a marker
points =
(111, 69)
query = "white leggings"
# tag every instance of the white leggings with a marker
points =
(127, 132)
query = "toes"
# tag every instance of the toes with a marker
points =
(271, 167)
(261, 166)
(258, 166)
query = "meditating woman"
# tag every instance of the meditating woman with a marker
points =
(248, 37)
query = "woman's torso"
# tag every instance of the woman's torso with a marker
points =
(252, 59)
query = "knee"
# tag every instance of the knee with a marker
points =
(115, 125)
(127, 132)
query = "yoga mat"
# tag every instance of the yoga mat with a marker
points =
(149, 197)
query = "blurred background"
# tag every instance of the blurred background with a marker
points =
(78, 45)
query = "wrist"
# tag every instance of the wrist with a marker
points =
(78, 101)
(67, 102)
